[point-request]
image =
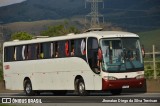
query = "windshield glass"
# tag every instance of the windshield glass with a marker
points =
(121, 55)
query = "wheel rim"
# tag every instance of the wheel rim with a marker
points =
(81, 87)
(28, 88)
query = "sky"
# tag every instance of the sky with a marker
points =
(9, 2)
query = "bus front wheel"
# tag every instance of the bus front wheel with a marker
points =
(81, 88)
(28, 88)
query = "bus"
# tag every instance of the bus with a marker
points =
(91, 61)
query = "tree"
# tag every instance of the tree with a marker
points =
(59, 30)
(21, 36)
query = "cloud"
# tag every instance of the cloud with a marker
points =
(9, 2)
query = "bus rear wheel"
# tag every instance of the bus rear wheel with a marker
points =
(28, 88)
(81, 88)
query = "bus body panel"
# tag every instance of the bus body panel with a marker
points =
(49, 74)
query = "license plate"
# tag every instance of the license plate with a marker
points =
(125, 86)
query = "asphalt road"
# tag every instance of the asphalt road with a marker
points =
(93, 98)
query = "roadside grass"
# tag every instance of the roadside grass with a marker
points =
(6, 105)
(150, 38)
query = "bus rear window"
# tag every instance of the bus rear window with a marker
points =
(9, 54)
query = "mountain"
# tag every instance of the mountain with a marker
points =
(131, 15)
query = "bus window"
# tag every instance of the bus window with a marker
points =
(80, 48)
(83, 47)
(24, 52)
(32, 52)
(38, 49)
(61, 49)
(41, 51)
(67, 48)
(19, 53)
(15, 53)
(46, 50)
(92, 54)
(51, 49)
(72, 47)
(8, 54)
(56, 54)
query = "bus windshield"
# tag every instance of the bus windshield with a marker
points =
(121, 55)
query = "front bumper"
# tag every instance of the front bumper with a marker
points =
(122, 83)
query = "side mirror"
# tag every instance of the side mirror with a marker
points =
(143, 51)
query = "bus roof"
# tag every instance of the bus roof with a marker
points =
(97, 34)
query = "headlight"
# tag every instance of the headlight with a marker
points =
(109, 78)
(140, 76)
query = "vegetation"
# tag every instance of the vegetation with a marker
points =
(59, 30)
(149, 38)
(1, 72)
(21, 36)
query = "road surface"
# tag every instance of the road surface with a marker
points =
(93, 98)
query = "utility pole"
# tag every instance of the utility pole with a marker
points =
(94, 14)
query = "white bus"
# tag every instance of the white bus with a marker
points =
(97, 60)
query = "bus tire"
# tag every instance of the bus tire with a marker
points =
(28, 88)
(81, 88)
(116, 91)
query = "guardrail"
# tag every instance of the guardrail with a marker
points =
(154, 62)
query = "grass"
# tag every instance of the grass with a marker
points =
(9, 105)
(149, 38)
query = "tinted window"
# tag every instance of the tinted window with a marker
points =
(8, 54)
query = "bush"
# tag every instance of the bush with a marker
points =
(158, 69)
(148, 73)
(21, 36)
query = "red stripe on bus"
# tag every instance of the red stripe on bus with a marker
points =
(6, 67)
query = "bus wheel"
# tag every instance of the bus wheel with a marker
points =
(28, 88)
(116, 91)
(81, 88)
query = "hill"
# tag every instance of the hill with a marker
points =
(131, 15)
(150, 38)
(36, 27)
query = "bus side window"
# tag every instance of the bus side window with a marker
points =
(51, 50)
(80, 48)
(32, 52)
(41, 53)
(67, 48)
(19, 53)
(93, 54)
(72, 45)
(77, 47)
(56, 54)
(83, 47)
(46, 50)
(15, 53)
(8, 54)
(61, 49)
(26, 53)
